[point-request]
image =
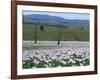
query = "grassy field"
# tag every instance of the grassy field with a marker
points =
(51, 33)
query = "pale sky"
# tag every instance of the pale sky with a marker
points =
(65, 15)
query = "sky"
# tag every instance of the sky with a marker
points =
(65, 15)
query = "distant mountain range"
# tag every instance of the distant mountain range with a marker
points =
(43, 17)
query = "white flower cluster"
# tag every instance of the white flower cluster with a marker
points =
(63, 55)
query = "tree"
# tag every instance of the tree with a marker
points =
(42, 28)
(35, 34)
(82, 28)
(59, 35)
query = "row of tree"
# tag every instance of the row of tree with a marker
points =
(42, 29)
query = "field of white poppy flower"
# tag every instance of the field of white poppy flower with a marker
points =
(47, 54)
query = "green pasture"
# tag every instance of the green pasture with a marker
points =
(50, 33)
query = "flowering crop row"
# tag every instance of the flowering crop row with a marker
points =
(56, 57)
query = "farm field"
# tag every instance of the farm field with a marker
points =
(51, 55)
(51, 33)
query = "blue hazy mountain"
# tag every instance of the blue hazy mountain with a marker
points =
(43, 17)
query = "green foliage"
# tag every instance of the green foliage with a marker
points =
(54, 63)
(86, 62)
(66, 60)
(40, 65)
(77, 63)
(67, 64)
(28, 64)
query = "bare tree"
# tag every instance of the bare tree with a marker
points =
(35, 34)
(59, 35)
